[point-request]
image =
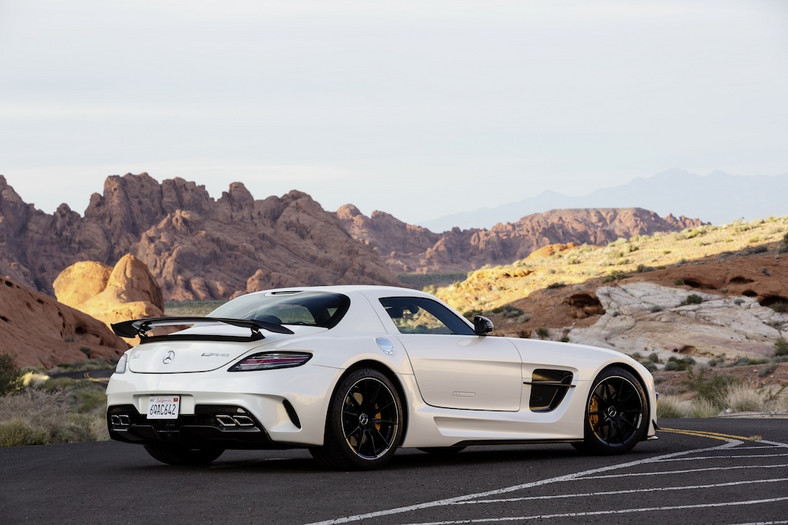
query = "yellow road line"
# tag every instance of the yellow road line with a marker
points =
(711, 435)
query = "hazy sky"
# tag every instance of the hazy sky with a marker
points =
(418, 108)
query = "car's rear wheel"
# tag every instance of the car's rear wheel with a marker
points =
(364, 423)
(180, 455)
(616, 415)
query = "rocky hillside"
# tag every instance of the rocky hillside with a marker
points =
(36, 330)
(407, 248)
(196, 247)
(709, 292)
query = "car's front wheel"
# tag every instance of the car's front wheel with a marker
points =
(180, 455)
(364, 424)
(616, 415)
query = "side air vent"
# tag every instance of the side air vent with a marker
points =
(291, 413)
(548, 388)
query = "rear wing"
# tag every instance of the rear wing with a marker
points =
(141, 327)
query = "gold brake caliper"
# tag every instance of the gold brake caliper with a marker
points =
(593, 411)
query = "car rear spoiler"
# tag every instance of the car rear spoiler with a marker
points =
(141, 327)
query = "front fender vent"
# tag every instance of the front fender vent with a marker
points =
(548, 388)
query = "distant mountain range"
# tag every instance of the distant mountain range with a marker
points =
(718, 198)
(197, 247)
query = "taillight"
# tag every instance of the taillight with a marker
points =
(270, 361)
(121, 366)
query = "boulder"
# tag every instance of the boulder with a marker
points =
(647, 317)
(127, 291)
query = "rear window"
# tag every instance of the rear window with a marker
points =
(322, 309)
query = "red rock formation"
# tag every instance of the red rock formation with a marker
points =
(408, 248)
(195, 246)
(36, 330)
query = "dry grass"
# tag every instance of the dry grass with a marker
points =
(670, 407)
(742, 398)
(60, 412)
(736, 398)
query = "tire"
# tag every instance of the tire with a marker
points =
(364, 423)
(616, 413)
(180, 455)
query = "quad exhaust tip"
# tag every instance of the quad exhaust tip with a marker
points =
(234, 421)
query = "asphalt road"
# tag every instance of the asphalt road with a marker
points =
(700, 471)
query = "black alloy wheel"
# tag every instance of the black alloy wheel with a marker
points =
(364, 424)
(616, 413)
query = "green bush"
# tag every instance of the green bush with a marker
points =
(677, 365)
(710, 388)
(692, 299)
(651, 367)
(781, 347)
(9, 374)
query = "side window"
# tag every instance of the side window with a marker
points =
(418, 315)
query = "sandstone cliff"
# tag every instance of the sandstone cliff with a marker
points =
(408, 248)
(38, 331)
(196, 247)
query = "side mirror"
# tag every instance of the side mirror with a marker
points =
(482, 325)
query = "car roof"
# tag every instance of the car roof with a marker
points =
(354, 289)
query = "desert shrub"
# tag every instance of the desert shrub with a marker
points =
(709, 387)
(508, 311)
(742, 398)
(775, 398)
(670, 407)
(778, 307)
(746, 361)
(650, 366)
(615, 275)
(82, 366)
(9, 374)
(543, 332)
(781, 347)
(653, 357)
(17, 433)
(703, 408)
(58, 383)
(767, 370)
(555, 285)
(73, 413)
(671, 366)
(692, 298)
(677, 365)
(470, 314)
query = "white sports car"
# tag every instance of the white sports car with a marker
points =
(354, 372)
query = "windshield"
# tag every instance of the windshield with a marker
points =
(323, 309)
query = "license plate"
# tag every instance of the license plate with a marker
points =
(164, 407)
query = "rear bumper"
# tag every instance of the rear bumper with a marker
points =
(228, 427)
